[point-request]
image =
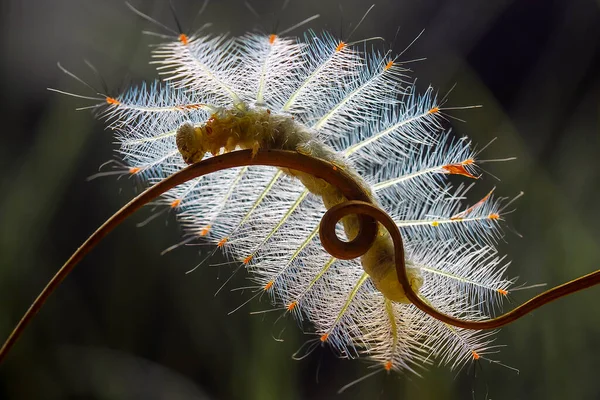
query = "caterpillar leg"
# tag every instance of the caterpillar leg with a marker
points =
(231, 145)
(303, 150)
(255, 148)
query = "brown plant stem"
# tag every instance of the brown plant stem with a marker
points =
(277, 158)
(358, 203)
(335, 213)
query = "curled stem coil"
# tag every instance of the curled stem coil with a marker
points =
(358, 203)
(330, 243)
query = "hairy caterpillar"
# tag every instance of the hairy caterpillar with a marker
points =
(326, 98)
(260, 128)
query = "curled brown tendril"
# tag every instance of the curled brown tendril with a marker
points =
(331, 243)
(358, 203)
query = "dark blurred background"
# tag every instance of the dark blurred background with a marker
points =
(130, 324)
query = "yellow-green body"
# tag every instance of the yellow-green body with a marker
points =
(258, 128)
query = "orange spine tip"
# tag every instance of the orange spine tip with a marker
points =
(503, 292)
(291, 306)
(388, 366)
(340, 46)
(183, 39)
(222, 242)
(112, 101)
(324, 337)
(205, 230)
(269, 285)
(476, 356)
(458, 169)
(272, 38)
(434, 110)
(389, 65)
(134, 170)
(175, 203)
(248, 259)
(494, 216)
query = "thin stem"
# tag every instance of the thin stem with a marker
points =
(278, 158)
(364, 208)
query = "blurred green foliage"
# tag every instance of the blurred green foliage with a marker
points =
(130, 324)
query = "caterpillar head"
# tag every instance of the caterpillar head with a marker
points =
(193, 142)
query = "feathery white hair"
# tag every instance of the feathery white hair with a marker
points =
(363, 106)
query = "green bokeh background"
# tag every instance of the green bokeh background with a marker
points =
(130, 324)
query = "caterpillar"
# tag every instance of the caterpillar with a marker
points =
(358, 110)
